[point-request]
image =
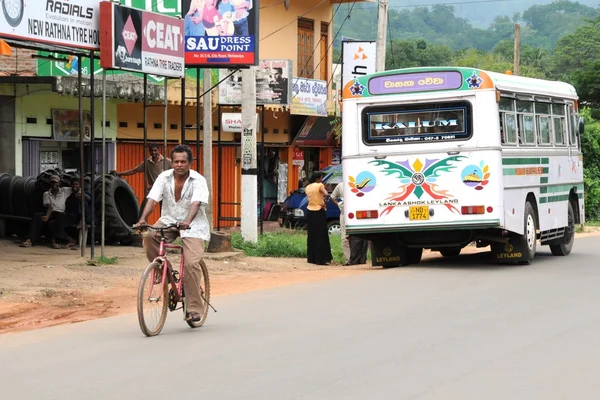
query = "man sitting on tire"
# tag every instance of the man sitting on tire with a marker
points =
(55, 218)
(184, 194)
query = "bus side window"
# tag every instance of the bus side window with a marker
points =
(572, 127)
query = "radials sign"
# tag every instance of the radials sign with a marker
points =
(69, 23)
(141, 41)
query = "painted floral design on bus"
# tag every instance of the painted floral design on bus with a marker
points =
(357, 89)
(476, 176)
(363, 183)
(419, 178)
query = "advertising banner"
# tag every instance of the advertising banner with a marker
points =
(141, 41)
(221, 34)
(358, 59)
(273, 83)
(309, 97)
(72, 23)
(232, 122)
(65, 125)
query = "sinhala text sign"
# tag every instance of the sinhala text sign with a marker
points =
(309, 97)
(141, 41)
(221, 33)
(69, 23)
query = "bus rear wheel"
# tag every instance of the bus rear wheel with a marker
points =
(528, 241)
(564, 248)
(450, 251)
(413, 255)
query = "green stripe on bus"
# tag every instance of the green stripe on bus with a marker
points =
(545, 161)
(544, 179)
(554, 199)
(523, 161)
(545, 170)
(543, 190)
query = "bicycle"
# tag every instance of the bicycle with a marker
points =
(164, 297)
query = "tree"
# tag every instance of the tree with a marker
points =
(416, 53)
(575, 50)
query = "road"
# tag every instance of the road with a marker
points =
(445, 329)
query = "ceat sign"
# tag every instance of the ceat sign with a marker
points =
(232, 122)
(141, 41)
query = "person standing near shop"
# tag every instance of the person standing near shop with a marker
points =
(337, 196)
(318, 246)
(153, 167)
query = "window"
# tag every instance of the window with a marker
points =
(526, 130)
(508, 129)
(572, 126)
(306, 43)
(558, 116)
(543, 124)
(417, 123)
(323, 59)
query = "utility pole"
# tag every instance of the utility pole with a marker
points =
(207, 143)
(382, 18)
(517, 54)
(249, 168)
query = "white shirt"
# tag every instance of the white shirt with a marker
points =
(338, 193)
(194, 190)
(57, 201)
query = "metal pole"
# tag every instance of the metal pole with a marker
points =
(102, 205)
(183, 128)
(198, 117)
(145, 137)
(165, 124)
(93, 156)
(219, 174)
(382, 18)
(207, 144)
(262, 168)
(81, 148)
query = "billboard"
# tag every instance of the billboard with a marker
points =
(309, 97)
(141, 41)
(358, 59)
(65, 125)
(273, 83)
(220, 33)
(71, 23)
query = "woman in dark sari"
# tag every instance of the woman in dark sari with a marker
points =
(319, 249)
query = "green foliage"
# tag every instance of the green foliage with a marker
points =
(416, 53)
(283, 244)
(104, 261)
(590, 145)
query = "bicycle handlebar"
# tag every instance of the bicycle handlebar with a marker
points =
(158, 228)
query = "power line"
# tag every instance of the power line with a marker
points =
(421, 5)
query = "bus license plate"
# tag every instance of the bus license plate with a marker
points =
(418, 213)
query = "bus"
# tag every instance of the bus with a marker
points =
(441, 157)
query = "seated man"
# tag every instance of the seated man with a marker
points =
(73, 210)
(54, 200)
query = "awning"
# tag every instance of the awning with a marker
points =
(316, 131)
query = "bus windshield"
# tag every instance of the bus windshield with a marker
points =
(440, 121)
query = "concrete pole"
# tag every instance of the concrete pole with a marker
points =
(249, 169)
(382, 18)
(207, 143)
(517, 55)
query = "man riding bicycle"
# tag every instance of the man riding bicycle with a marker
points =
(184, 194)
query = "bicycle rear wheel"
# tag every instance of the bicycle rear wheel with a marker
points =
(205, 293)
(152, 300)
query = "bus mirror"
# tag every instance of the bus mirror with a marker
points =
(581, 125)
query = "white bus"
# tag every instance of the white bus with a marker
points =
(437, 158)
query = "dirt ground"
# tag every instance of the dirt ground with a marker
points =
(41, 287)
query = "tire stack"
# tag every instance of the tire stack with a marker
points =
(23, 197)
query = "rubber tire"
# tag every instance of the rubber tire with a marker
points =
(206, 296)
(120, 213)
(450, 252)
(333, 223)
(5, 201)
(522, 240)
(19, 197)
(30, 195)
(140, 301)
(413, 255)
(564, 249)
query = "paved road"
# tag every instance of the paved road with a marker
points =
(441, 330)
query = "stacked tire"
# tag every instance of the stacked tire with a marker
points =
(23, 197)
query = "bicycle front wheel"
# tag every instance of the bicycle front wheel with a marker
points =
(205, 294)
(152, 300)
